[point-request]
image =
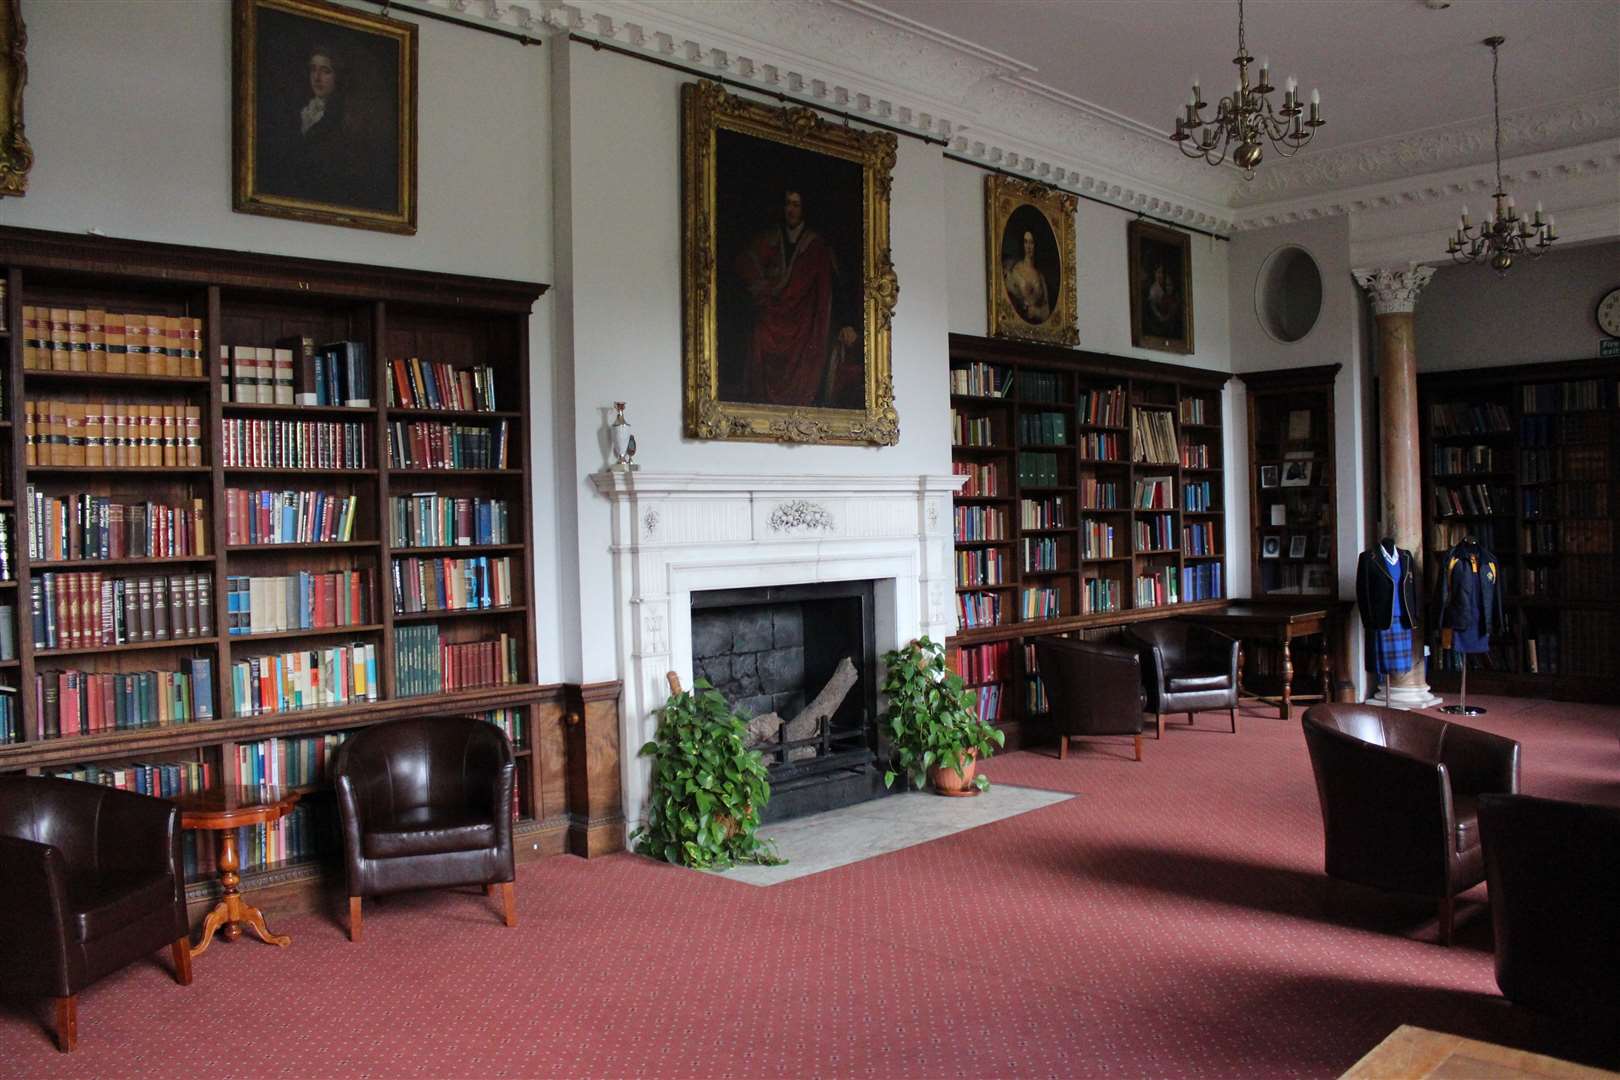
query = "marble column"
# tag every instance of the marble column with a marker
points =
(1394, 294)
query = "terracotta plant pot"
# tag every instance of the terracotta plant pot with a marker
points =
(945, 781)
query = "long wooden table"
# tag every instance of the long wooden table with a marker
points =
(1281, 623)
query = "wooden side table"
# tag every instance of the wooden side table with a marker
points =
(223, 810)
(1281, 624)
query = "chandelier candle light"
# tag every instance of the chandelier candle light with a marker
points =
(1241, 120)
(1505, 232)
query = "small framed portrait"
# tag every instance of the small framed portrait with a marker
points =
(1296, 547)
(1160, 266)
(1271, 547)
(788, 290)
(1324, 546)
(1268, 476)
(1029, 240)
(1296, 474)
(325, 117)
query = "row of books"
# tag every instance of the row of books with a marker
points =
(983, 481)
(304, 679)
(1154, 493)
(1444, 535)
(428, 519)
(1574, 396)
(1455, 460)
(425, 664)
(972, 430)
(5, 547)
(163, 780)
(510, 721)
(295, 371)
(1040, 386)
(305, 600)
(1100, 446)
(1099, 494)
(1101, 594)
(85, 526)
(95, 340)
(1538, 466)
(1103, 408)
(434, 384)
(982, 663)
(1036, 469)
(295, 444)
(1592, 577)
(1586, 500)
(987, 700)
(118, 434)
(427, 444)
(1043, 429)
(1046, 513)
(981, 566)
(1198, 538)
(1040, 602)
(10, 717)
(1155, 533)
(1588, 537)
(1195, 456)
(1472, 499)
(1201, 582)
(459, 584)
(1468, 418)
(1158, 588)
(1198, 496)
(1535, 502)
(72, 702)
(978, 379)
(1035, 700)
(1153, 436)
(87, 609)
(288, 517)
(1097, 539)
(1192, 411)
(975, 523)
(1040, 553)
(978, 609)
(1565, 430)
(1539, 539)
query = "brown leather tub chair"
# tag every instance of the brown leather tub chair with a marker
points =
(426, 803)
(1553, 869)
(1186, 668)
(1400, 794)
(1092, 688)
(90, 881)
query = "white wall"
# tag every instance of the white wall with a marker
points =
(619, 305)
(1543, 310)
(128, 107)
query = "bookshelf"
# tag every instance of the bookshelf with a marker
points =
(1523, 458)
(295, 543)
(1095, 496)
(1292, 498)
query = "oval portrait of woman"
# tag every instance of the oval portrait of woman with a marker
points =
(1031, 270)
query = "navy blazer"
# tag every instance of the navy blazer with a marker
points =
(1462, 607)
(1375, 594)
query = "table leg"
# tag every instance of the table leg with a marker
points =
(1287, 680)
(1241, 658)
(1327, 671)
(229, 915)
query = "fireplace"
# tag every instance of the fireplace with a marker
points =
(800, 661)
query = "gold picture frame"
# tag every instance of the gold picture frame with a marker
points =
(788, 288)
(324, 123)
(16, 156)
(1160, 267)
(1030, 261)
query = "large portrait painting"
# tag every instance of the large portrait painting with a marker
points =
(16, 156)
(325, 124)
(788, 286)
(1029, 239)
(1161, 287)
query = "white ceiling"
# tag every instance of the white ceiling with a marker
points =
(1386, 68)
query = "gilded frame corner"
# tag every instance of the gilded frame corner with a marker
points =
(16, 156)
(706, 108)
(246, 198)
(1002, 196)
(1135, 232)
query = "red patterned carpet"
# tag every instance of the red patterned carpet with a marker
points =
(1171, 921)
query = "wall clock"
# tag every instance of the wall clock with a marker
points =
(1608, 313)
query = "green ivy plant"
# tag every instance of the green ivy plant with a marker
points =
(932, 719)
(707, 786)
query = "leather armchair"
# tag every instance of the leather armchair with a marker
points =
(1399, 793)
(1186, 668)
(1092, 688)
(426, 803)
(90, 881)
(1553, 869)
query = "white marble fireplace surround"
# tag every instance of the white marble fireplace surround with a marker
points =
(676, 534)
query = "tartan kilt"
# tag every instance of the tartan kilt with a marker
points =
(1394, 655)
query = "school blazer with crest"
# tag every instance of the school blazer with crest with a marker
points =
(1462, 607)
(1375, 594)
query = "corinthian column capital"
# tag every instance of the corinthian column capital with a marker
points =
(1393, 290)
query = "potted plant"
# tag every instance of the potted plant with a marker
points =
(932, 722)
(707, 786)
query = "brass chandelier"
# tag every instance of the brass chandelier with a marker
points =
(1505, 232)
(1244, 117)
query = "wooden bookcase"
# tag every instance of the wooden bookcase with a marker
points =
(254, 300)
(1524, 459)
(1048, 440)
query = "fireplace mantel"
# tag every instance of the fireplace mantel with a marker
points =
(679, 533)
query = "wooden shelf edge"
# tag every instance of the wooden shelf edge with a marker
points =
(983, 635)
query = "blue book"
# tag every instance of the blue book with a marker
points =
(201, 670)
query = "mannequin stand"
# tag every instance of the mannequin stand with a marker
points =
(1462, 708)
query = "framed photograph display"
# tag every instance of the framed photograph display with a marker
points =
(1296, 474)
(1029, 243)
(325, 117)
(1271, 547)
(1268, 476)
(1296, 547)
(1160, 267)
(1324, 546)
(788, 290)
